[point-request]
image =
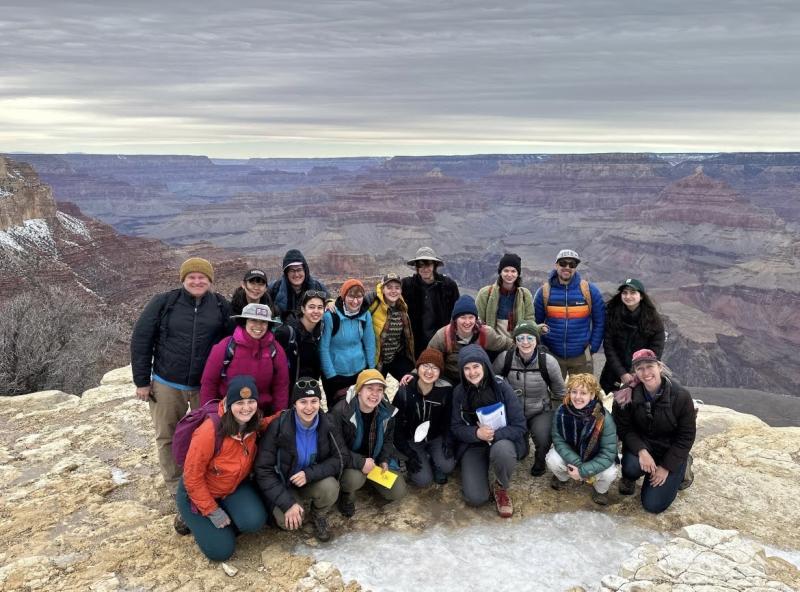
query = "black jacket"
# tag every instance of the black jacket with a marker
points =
(445, 293)
(301, 347)
(413, 409)
(669, 435)
(348, 427)
(277, 455)
(174, 335)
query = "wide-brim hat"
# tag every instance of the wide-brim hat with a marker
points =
(257, 312)
(424, 254)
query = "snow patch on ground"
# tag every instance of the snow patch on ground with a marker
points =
(34, 232)
(8, 242)
(4, 193)
(73, 225)
(541, 553)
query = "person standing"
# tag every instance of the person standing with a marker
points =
(430, 297)
(288, 291)
(170, 343)
(394, 341)
(505, 303)
(574, 312)
(253, 290)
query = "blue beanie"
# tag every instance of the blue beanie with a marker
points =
(241, 387)
(464, 305)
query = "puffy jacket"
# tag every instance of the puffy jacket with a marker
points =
(528, 383)
(252, 357)
(669, 435)
(349, 429)
(303, 354)
(352, 349)
(277, 455)
(286, 300)
(445, 341)
(488, 300)
(444, 295)
(606, 452)
(463, 421)
(207, 477)
(380, 312)
(174, 334)
(572, 326)
(413, 408)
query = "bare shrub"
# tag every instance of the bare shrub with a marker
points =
(54, 339)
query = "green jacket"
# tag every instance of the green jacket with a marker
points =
(605, 453)
(489, 298)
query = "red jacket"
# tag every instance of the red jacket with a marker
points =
(253, 357)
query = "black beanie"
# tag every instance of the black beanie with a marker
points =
(510, 260)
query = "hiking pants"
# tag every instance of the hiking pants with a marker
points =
(540, 426)
(582, 364)
(501, 457)
(654, 499)
(353, 480)
(431, 456)
(602, 481)
(169, 407)
(322, 493)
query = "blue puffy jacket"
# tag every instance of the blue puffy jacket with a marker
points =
(352, 348)
(572, 326)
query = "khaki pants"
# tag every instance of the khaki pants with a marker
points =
(353, 480)
(578, 365)
(323, 494)
(168, 409)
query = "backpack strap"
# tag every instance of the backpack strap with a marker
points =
(545, 295)
(169, 304)
(218, 435)
(230, 348)
(587, 294)
(543, 368)
(509, 359)
(335, 322)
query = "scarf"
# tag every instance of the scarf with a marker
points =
(581, 428)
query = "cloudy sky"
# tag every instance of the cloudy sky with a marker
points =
(352, 77)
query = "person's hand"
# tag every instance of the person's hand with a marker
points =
(293, 518)
(544, 329)
(219, 518)
(406, 379)
(298, 479)
(143, 392)
(646, 462)
(626, 379)
(485, 433)
(384, 467)
(369, 464)
(330, 306)
(574, 472)
(659, 476)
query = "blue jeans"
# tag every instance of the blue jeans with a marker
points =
(246, 511)
(654, 499)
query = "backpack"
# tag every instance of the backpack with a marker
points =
(542, 369)
(231, 348)
(587, 295)
(182, 437)
(448, 339)
(336, 322)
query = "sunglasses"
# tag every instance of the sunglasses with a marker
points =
(568, 263)
(524, 338)
(310, 383)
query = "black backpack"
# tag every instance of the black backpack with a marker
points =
(336, 321)
(172, 298)
(542, 369)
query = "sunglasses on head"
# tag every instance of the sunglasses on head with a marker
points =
(310, 383)
(567, 263)
(525, 337)
(314, 294)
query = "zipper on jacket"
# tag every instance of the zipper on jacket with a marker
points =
(194, 337)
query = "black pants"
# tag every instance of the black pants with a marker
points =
(336, 387)
(398, 367)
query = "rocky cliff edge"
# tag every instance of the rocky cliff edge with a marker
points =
(83, 508)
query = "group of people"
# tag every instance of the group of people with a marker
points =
(480, 380)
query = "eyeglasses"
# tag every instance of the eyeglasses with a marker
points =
(314, 294)
(429, 367)
(295, 270)
(256, 280)
(310, 383)
(567, 263)
(523, 338)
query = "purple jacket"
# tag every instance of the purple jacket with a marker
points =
(253, 357)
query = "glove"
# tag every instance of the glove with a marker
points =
(413, 464)
(219, 518)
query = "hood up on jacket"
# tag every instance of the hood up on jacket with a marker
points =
(295, 256)
(475, 353)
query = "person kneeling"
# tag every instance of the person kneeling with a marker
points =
(479, 445)
(584, 439)
(215, 498)
(364, 421)
(299, 459)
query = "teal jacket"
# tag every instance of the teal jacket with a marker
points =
(605, 453)
(352, 348)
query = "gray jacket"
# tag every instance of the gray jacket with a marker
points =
(528, 383)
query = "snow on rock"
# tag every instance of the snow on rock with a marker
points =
(73, 225)
(34, 233)
(8, 242)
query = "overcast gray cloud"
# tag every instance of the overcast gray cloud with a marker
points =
(406, 77)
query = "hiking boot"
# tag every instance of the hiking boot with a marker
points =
(346, 505)
(504, 506)
(320, 526)
(180, 526)
(557, 483)
(600, 498)
(538, 468)
(688, 475)
(439, 477)
(626, 486)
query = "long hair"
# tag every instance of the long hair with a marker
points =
(517, 282)
(230, 427)
(239, 301)
(649, 319)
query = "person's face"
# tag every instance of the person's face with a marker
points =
(473, 372)
(313, 309)
(650, 375)
(307, 409)
(254, 289)
(565, 268)
(197, 284)
(353, 299)
(370, 396)
(525, 344)
(631, 298)
(244, 409)
(465, 323)
(296, 276)
(425, 269)
(255, 329)
(580, 396)
(509, 275)
(391, 292)
(428, 373)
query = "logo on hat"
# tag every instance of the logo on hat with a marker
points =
(245, 392)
